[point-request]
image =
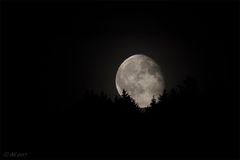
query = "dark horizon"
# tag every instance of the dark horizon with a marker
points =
(184, 123)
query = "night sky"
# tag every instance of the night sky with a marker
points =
(61, 49)
(52, 52)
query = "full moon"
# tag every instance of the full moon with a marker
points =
(141, 77)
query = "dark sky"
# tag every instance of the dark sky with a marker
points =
(53, 51)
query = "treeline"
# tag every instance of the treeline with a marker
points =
(181, 121)
(184, 95)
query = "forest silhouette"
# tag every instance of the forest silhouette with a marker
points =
(182, 121)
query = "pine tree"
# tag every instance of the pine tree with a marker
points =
(153, 102)
(129, 102)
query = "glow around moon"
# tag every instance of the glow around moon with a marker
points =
(141, 77)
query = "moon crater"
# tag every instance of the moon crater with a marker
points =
(141, 77)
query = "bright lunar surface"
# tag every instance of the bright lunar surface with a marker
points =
(141, 77)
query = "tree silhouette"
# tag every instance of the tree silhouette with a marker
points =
(164, 97)
(185, 95)
(179, 116)
(180, 109)
(126, 102)
(153, 102)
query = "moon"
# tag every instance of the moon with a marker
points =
(141, 77)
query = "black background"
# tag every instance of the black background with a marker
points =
(53, 51)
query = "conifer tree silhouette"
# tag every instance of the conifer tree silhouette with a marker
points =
(129, 102)
(153, 102)
(164, 97)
